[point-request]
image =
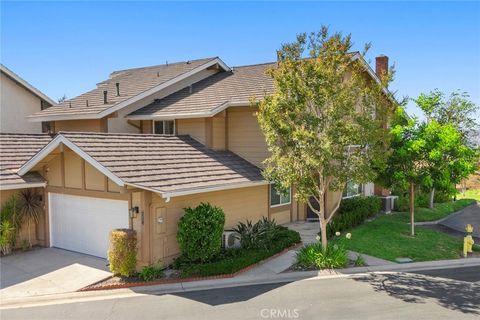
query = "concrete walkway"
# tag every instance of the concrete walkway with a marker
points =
(46, 271)
(459, 220)
(308, 233)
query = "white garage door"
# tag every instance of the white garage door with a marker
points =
(83, 224)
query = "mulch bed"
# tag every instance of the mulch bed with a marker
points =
(114, 282)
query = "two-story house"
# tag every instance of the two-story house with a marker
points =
(148, 142)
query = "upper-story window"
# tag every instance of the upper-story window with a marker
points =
(166, 127)
(352, 189)
(277, 199)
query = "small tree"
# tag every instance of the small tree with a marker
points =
(406, 166)
(30, 209)
(319, 123)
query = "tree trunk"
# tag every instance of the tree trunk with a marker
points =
(412, 208)
(432, 196)
(323, 231)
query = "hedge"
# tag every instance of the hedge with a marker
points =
(199, 233)
(353, 212)
(122, 254)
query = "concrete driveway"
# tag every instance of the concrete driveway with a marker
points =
(48, 271)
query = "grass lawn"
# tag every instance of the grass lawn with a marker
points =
(440, 211)
(388, 237)
(470, 194)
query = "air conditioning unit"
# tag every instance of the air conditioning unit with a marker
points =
(388, 203)
(230, 239)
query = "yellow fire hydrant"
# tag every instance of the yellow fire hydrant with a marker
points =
(468, 240)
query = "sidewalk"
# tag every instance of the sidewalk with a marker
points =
(233, 282)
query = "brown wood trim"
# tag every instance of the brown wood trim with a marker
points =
(84, 180)
(208, 132)
(226, 129)
(89, 193)
(282, 208)
(62, 166)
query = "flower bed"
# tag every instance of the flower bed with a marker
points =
(174, 277)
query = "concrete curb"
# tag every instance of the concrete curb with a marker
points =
(231, 282)
(427, 223)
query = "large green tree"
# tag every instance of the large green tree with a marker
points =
(457, 110)
(427, 154)
(324, 123)
(450, 123)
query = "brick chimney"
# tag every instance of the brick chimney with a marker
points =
(381, 65)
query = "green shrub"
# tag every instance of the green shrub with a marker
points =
(7, 234)
(258, 235)
(353, 212)
(265, 234)
(200, 232)
(228, 261)
(150, 273)
(122, 254)
(313, 256)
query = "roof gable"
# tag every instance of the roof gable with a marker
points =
(134, 85)
(169, 165)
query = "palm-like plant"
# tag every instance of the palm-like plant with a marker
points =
(30, 208)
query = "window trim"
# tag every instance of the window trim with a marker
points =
(280, 204)
(355, 195)
(164, 134)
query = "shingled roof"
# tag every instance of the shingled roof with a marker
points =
(170, 165)
(212, 95)
(15, 150)
(132, 82)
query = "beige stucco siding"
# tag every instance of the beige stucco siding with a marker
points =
(16, 103)
(238, 204)
(219, 123)
(194, 127)
(93, 125)
(121, 125)
(244, 135)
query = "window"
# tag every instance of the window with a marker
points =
(277, 199)
(166, 127)
(352, 189)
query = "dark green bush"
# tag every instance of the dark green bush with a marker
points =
(313, 256)
(200, 232)
(122, 254)
(258, 235)
(353, 212)
(232, 260)
(150, 273)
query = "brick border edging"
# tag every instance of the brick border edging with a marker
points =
(96, 287)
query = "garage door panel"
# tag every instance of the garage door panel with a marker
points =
(83, 224)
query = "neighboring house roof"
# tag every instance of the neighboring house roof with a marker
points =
(212, 95)
(25, 84)
(15, 150)
(220, 91)
(169, 165)
(135, 84)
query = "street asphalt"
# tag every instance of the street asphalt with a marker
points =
(430, 294)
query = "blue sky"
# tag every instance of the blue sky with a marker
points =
(67, 47)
